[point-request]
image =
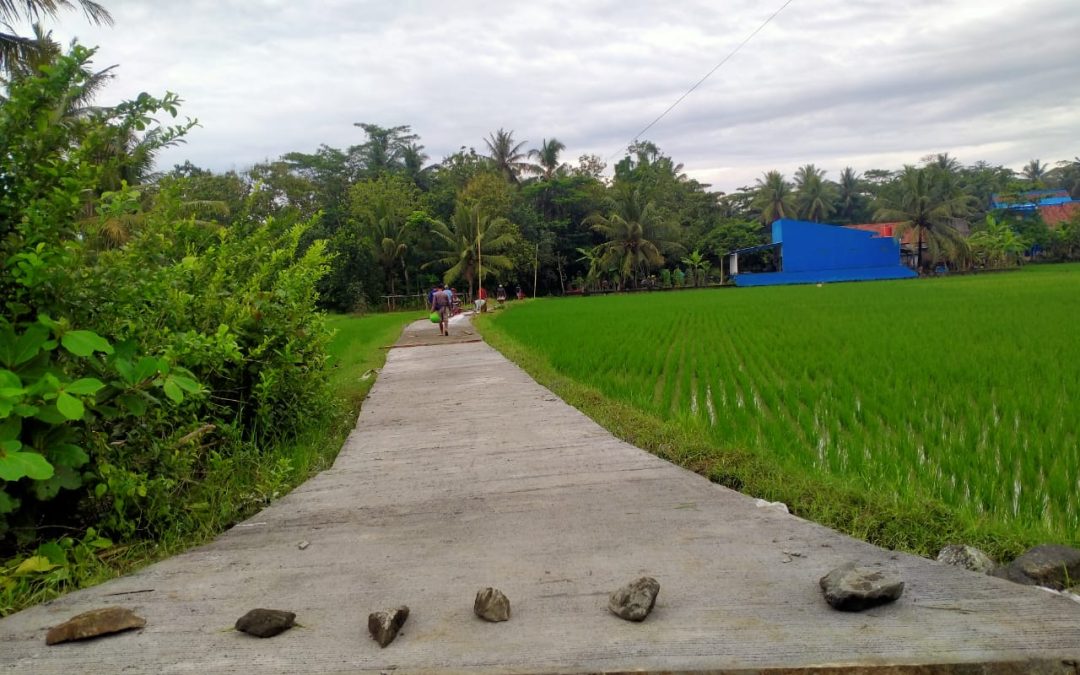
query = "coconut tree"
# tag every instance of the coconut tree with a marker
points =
(773, 197)
(470, 240)
(506, 155)
(636, 235)
(547, 158)
(921, 204)
(849, 194)
(813, 195)
(15, 49)
(1035, 171)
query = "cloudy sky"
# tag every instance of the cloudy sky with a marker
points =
(866, 83)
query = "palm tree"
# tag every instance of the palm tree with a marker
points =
(773, 197)
(507, 155)
(388, 233)
(471, 233)
(636, 236)
(943, 162)
(386, 147)
(698, 266)
(923, 206)
(850, 195)
(814, 196)
(15, 49)
(547, 156)
(1035, 171)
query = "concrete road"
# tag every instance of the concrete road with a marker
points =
(462, 473)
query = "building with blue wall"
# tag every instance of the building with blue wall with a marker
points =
(810, 253)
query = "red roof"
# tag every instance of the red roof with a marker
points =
(1056, 214)
(885, 230)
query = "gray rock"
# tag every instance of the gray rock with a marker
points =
(851, 588)
(1049, 565)
(384, 626)
(94, 623)
(968, 557)
(491, 605)
(635, 600)
(265, 623)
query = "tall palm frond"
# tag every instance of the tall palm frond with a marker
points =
(773, 197)
(15, 49)
(506, 155)
(547, 157)
(924, 206)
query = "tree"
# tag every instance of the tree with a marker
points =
(636, 235)
(547, 157)
(921, 205)
(506, 155)
(385, 148)
(698, 266)
(470, 241)
(813, 196)
(997, 245)
(850, 196)
(16, 50)
(773, 197)
(1035, 171)
(384, 208)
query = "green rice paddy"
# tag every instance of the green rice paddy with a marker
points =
(960, 390)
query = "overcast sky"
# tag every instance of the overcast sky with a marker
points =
(866, 83)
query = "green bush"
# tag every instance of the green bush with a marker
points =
(144, 354)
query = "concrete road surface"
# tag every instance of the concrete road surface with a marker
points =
(463, 473)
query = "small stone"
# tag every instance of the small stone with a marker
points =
(968, 557)
(851, 588)
(303, 545)
(1049, 565)
(266, 623)
(384, 626)
(94, 623)
(635, 600)
(492, 605)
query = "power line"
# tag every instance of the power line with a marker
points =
(707, 75)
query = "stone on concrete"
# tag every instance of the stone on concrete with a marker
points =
(635, 600)
(384, 626)
(491, 605)
(1050, 565)
(968, 557)
(265, 623)
(852, 588)
(94, 623)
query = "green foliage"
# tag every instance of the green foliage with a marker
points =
(136, 371)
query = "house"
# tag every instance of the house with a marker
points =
(809, 253)
(1054, 206)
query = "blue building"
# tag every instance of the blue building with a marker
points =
(810, 253)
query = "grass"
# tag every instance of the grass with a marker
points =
(254, 477)
(911, 414)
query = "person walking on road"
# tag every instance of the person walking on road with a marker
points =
(440, 302)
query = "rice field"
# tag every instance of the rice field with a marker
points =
(966, 390)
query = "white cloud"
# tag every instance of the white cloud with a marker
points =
(875, 83)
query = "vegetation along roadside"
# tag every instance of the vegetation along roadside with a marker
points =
(233, 490)
(903, 413)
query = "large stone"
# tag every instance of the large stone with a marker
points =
(492, 605)
(635, 600)
(266, 623)
(384, 626)
(851, 588)
(94, 623)
(968, 557)
(1050, 565)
